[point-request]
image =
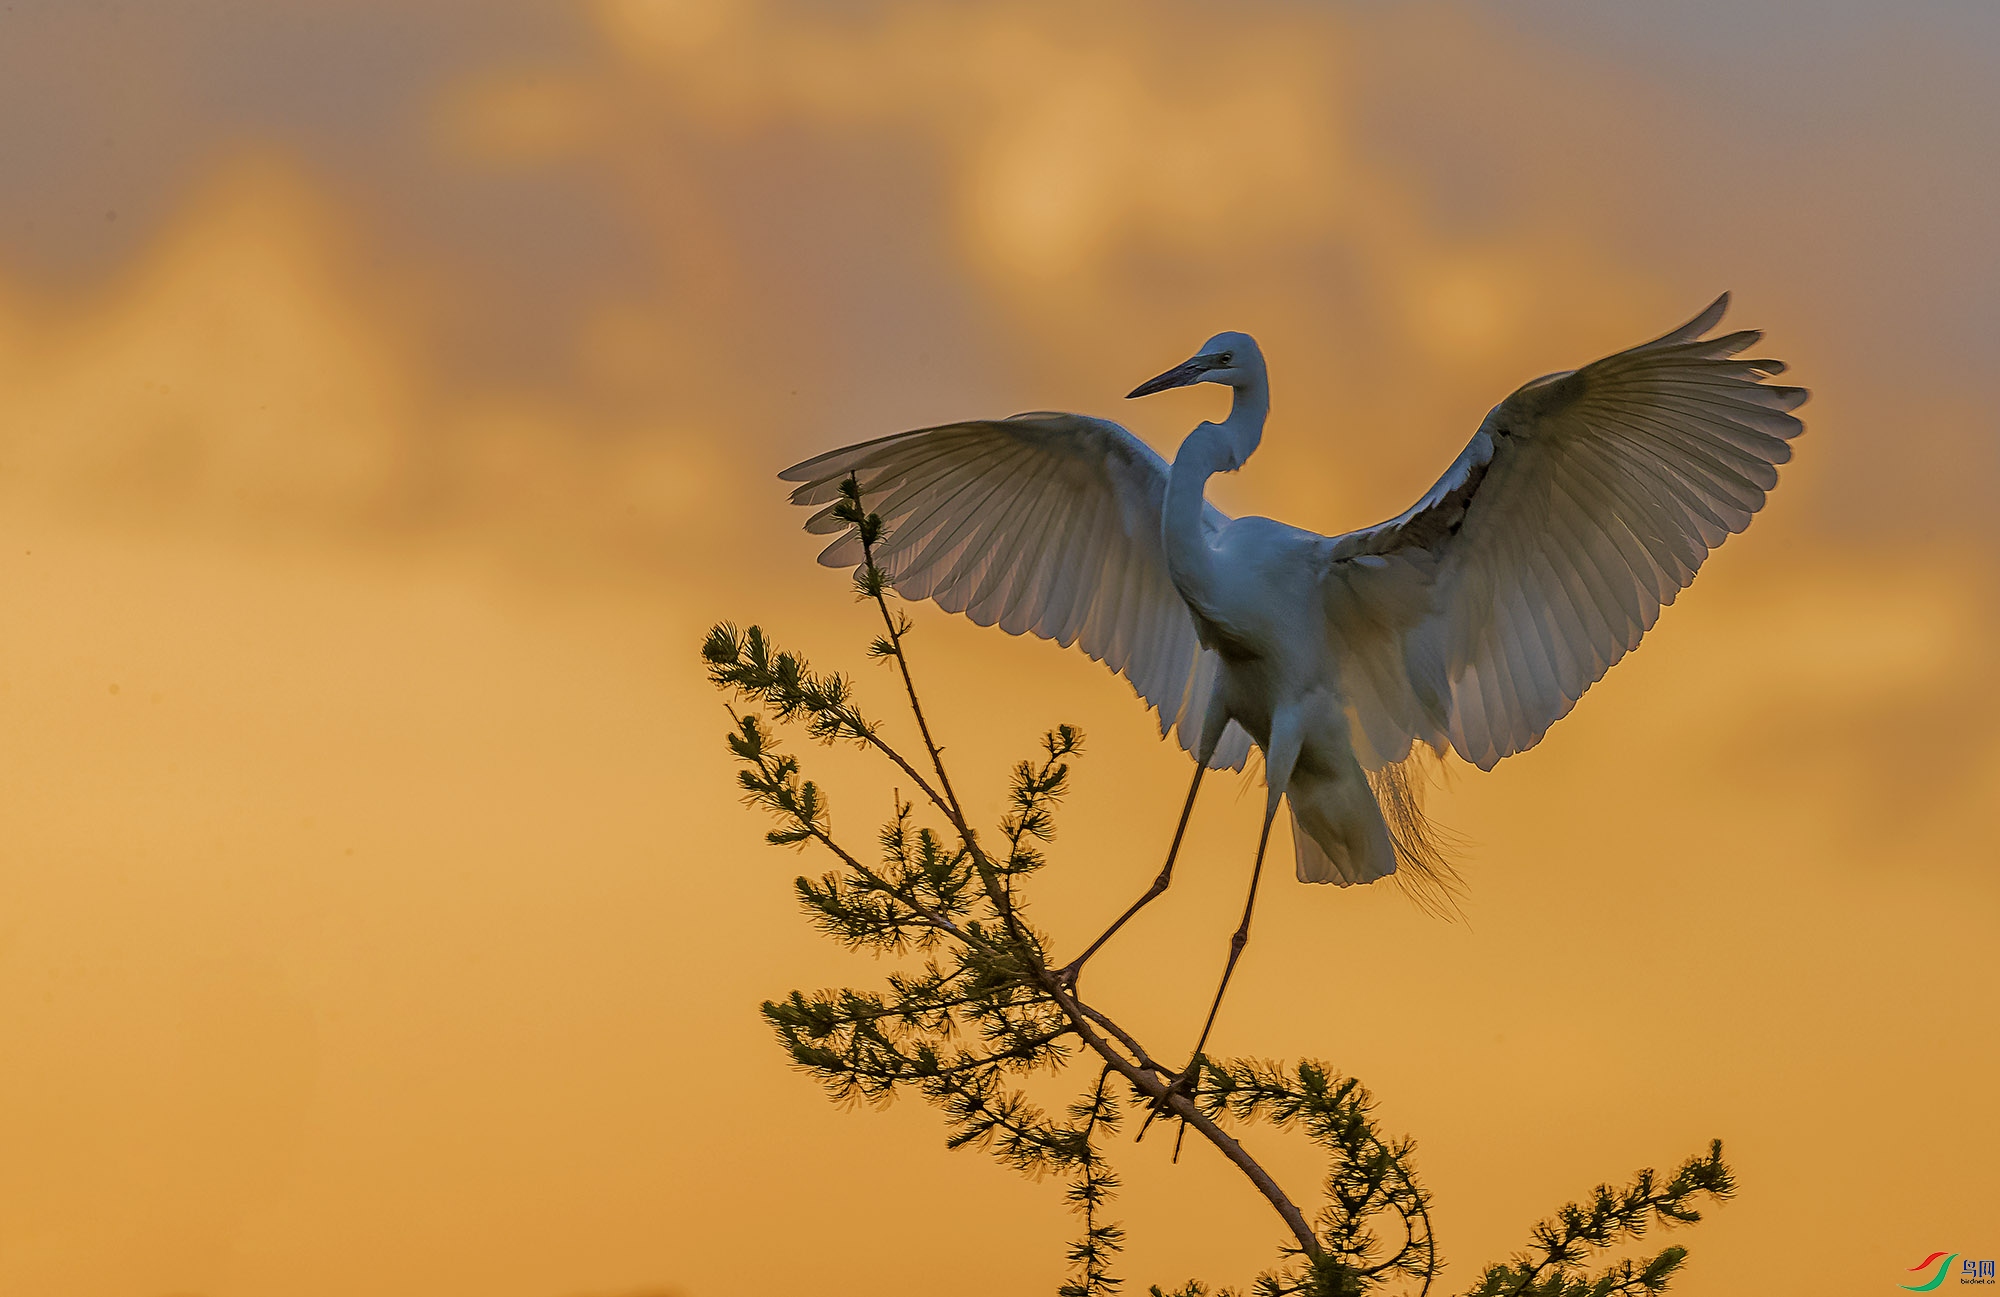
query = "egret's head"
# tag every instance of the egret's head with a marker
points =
(1231, 359)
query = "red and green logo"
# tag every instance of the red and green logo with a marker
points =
(1925, 1264)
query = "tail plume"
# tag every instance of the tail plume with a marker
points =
(1423, 846)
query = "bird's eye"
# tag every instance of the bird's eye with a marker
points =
(1228, 357)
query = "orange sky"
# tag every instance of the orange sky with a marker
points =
(390, 396)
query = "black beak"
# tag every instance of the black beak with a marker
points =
(1188, 371)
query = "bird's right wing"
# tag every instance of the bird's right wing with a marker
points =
(1043, 523)
(1585, 502)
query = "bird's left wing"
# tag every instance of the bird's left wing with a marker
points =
(1043, 523)
(1584, 503)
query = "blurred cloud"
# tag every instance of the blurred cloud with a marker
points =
(229, 370)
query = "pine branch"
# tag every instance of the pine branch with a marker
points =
(772, 781)
(1367, 1178)
(1548, 1269)
(1146, 1080)
(1091, 1255)
(874, 585)
(744, 663)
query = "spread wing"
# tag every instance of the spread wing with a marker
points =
(1585, 503)
(1047, 524)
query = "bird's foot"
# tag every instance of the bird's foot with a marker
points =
(1182, 1084)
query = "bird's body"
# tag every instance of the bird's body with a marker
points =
(1253, 590)
(1583, 504)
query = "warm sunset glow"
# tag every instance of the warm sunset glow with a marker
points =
(390, 396)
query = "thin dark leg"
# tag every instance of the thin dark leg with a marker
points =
(1236, 944)
(1242, 937)
(1075, 966)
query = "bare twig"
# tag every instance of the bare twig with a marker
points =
(1147, 1082)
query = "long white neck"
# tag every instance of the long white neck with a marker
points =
(1211, 448)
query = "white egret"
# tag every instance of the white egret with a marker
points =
(1472, 622)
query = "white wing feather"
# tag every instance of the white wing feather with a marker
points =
(1047, 524)
(1585, 502)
